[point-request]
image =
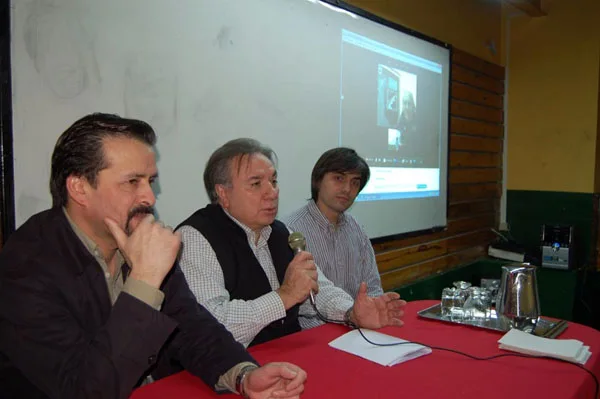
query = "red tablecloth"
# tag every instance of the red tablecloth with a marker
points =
(336, 374)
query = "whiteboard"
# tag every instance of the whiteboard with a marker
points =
(201, 72)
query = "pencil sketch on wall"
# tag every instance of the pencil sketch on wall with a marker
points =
(150, 92)
(60, 48)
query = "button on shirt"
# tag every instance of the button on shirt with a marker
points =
(343, 251)
(245, 319)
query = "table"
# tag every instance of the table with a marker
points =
(441, 374)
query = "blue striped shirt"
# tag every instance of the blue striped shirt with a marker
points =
(343, 251)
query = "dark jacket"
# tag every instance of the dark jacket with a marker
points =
(61, 338)
(244, 277)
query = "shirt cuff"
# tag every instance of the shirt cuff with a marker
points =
(144, 292)
(227, 380)
(272, 300)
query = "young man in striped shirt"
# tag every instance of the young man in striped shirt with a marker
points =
(338, 243)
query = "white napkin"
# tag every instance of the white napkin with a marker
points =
(352, 342)
(566, 349)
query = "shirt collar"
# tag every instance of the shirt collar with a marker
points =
(90, 245)
(316, 213)
(265, 233)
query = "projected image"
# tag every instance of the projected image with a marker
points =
(396, 104)
(395, 114)
(394, 139)
(150, 92)
(388, 98)
(408, 114)
(396, 96)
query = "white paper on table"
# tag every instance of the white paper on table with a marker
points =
(352, 342)
(567, 349)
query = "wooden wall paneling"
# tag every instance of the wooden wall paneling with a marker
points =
(474, 175)
(477, 79)
(471, 223)
(398, 258)
(471, 94)
(476, 128)
(466, 192)
(410, 255)
(470, 208)
(390, 245)
(473, 111)
(477, 64)
(403, 276)
(475, 159)
(474, 180)
(474, 143)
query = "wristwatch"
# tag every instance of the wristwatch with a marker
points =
(347, 320)
(239, 380)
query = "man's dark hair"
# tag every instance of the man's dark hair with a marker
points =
(338, 160)
(218, 171)
(79, 150)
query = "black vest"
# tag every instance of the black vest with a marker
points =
(244, 277)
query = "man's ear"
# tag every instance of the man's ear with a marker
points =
(78, 189)
(223, 195)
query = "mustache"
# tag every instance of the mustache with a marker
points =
(138, 210)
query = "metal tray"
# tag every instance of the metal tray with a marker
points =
(544, 328)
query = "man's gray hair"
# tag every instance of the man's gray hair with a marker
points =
(218, 170)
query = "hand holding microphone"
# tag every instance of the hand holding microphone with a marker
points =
(297, 242)
(300, 278)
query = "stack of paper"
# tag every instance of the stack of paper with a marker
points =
(566, 349)
(353, 342)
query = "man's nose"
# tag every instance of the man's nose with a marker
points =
(272, 191)
(347, 186)
(146, 194)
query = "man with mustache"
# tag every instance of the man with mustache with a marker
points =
(339, 244)
(237, 261)
(92, 303)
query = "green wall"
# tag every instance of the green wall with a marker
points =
(527, 211)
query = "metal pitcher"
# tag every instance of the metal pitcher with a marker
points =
(518, 301)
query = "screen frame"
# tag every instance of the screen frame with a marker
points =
(403, 29)
(7, 200)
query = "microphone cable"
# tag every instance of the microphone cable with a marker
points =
(352, 325)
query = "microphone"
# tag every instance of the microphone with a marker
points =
(297, 242)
